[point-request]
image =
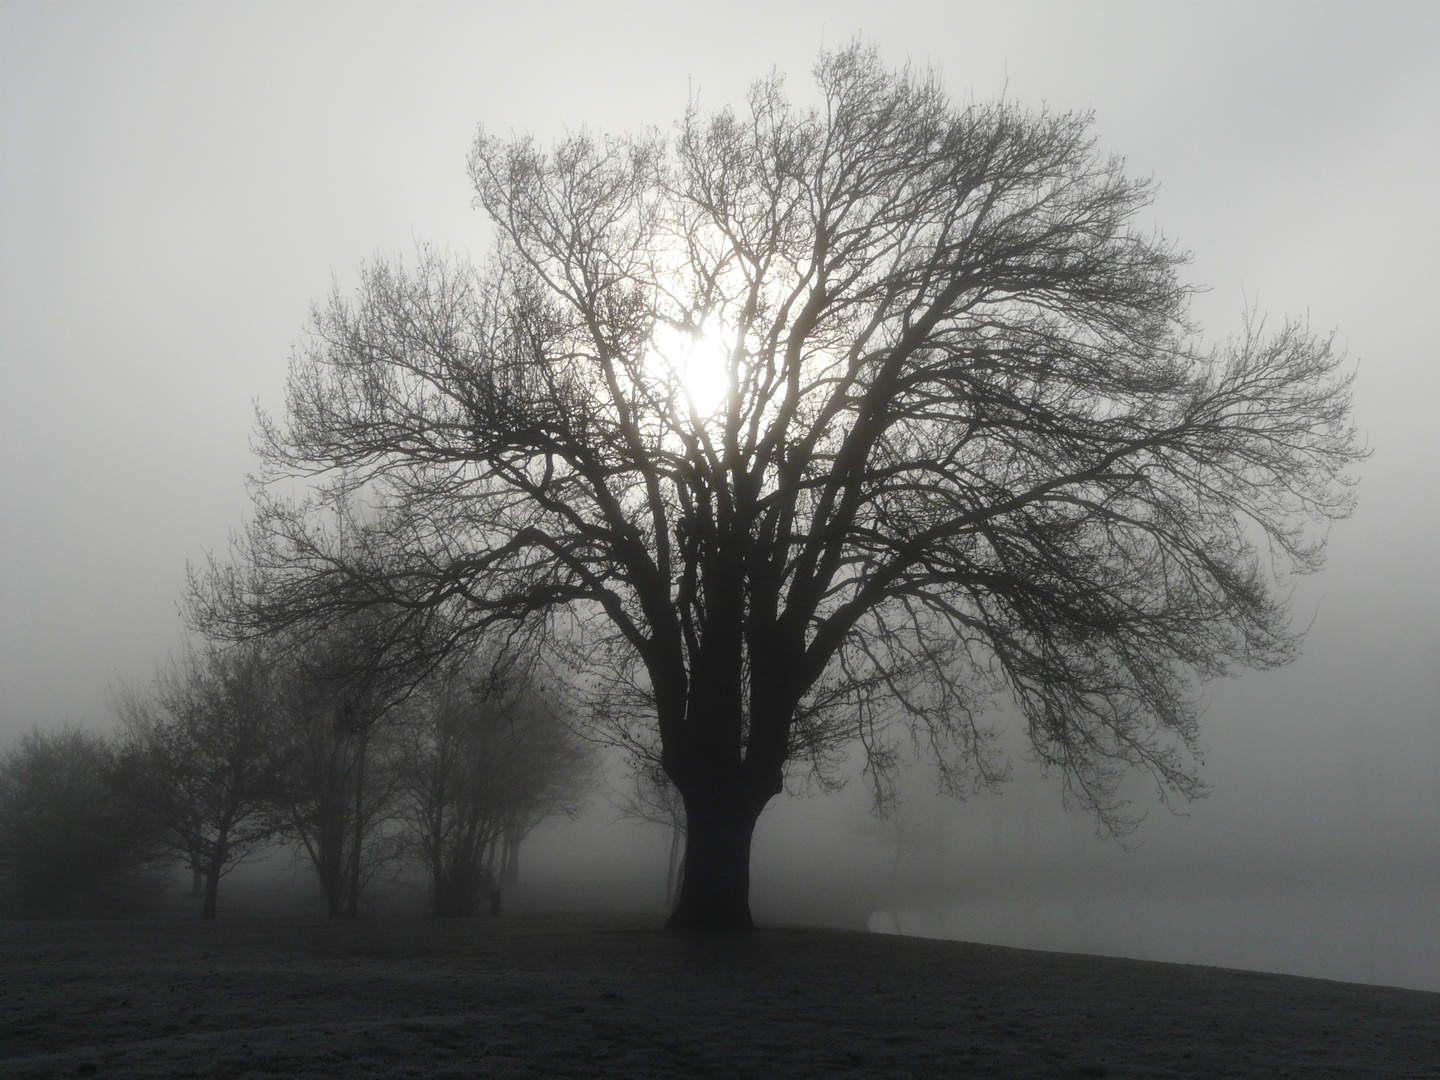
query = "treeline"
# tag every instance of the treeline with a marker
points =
(360, 768)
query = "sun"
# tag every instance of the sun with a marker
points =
(699, 359)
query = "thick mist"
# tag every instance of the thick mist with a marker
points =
(178, 185)
(1347, 891)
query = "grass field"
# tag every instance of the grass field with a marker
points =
(612, 995)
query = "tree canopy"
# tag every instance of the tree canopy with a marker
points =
(807, 424)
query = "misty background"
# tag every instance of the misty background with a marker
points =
(179, 183)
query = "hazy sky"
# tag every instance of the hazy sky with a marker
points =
(179, 183)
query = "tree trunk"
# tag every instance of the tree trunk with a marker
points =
(510, 875)
(352, 898)
(675, 837)
(715, 885)
(456, 892)
(214, 867)
(212, 890)
(331, 868)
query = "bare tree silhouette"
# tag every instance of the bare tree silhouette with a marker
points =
(334, 756)
(196, 754)
(816, 425)
(486, 758)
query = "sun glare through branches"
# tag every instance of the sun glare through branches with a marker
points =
(697, 361)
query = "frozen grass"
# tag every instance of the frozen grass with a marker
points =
(611, 995)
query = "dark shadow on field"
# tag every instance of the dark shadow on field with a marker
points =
(612, 995)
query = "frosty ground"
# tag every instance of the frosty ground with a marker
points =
(613, 995)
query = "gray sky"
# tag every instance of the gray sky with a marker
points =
(179, 183)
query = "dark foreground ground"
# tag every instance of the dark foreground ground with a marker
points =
(613, 996)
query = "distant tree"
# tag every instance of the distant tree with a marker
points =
(815, 425)
(488, 758)
(69, 841)
(314, 768)
(196, 753)
(333, 759)
(342, 671)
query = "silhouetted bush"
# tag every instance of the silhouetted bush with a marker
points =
(69, 842)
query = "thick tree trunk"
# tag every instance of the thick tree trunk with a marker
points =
(456, 891)
(333, 908)
(324, 841)
(715, 885)
(510, 875)
(214, 867)
(332, 883)
(212, 891)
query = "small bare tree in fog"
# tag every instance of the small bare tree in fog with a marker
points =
(341, 672)
(335, 757)
(196, 753)
(314, 769)
(812, 425)
(487, 759)
(70, 841)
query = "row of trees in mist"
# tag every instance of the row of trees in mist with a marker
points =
(811, 429)
(232, 750)
(808, 429)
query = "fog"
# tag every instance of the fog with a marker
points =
(178, 184)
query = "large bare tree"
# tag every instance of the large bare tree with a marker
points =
(810, 424)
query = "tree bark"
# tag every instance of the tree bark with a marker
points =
(352, 895)
(510, 875)
(715, 885)
(675, 837)
(212, 890)
(331, 866)
(214, 867)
